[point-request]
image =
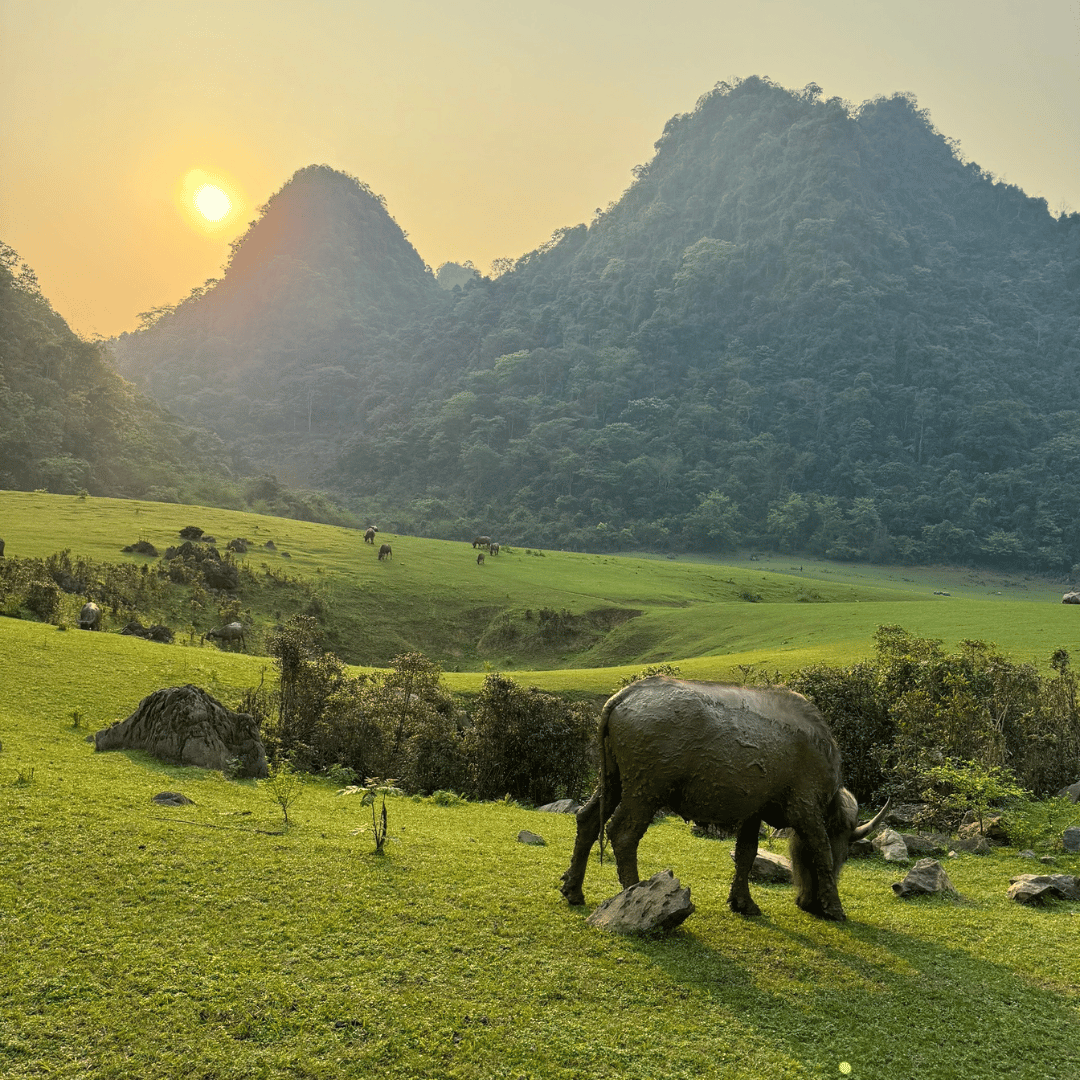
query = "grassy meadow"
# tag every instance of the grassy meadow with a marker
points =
(211, 942)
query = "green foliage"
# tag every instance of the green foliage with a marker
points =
(1038, 823)
(649, 671)
(371, 791)
(903, 717)
(963, 786)
(284, 785)
(527, 744)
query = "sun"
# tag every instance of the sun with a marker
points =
(212, 202)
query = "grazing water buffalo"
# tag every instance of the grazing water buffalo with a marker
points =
(480, 559)
(232, 631)
(385, 552)
(369, 534)
(731, 756)
(90, 616)
(493, 549)
(481, 541)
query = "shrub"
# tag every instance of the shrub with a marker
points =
(527, 744)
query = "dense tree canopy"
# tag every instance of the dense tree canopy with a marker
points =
(804, 325)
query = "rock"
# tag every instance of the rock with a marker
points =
(1072, 792)
(156, 632)
(1047, 860)
(975, 845)
(560, 806)
(142, 547)
(1071, 598)
(861, 849)
(891, 845)
(926, 844)
(993, 828)
(1027, 853)
(171, 798)
(526, 837)
(905, 814)
(1037, 889)
(926, 878)
(183, 725)
(769, 868)
(656, 904)
(1070, 839)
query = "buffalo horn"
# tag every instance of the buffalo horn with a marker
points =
(865, 830)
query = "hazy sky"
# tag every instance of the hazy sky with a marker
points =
(486, 124)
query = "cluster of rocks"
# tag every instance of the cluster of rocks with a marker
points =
(141, 547)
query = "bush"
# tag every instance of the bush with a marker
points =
(529, 745)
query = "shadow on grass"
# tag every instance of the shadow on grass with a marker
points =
(888, 1003)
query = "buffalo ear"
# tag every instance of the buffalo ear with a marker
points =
(865, 830)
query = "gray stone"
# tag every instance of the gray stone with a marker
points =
(1047, 860)
(183, 725)
(560, 806)
(171, 798)
(905, 814)
(993, 828)
(891, 845)
(1070, 838)
(926, 843)
(975, 845)
(1072, 792)
(861, 849)
(656, 904)
(769, 868)
(1027, 853)
(926, 878)
(526, 837)
(1037, 889)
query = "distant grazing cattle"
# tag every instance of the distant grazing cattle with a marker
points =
(1068, 598)
(369, 535)
(385, 552)
(90, 616)
(482, 541)
(480, 559)
(493, 549)
(232, 631)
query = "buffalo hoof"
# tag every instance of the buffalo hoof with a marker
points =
(573, 893)
(832, 912)
(743, 907)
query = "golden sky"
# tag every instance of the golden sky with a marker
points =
(486, 124)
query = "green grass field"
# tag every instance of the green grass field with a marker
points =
(211, 942)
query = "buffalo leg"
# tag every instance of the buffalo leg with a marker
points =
(628, 825)
(746, 847)
(812, 868)
(588, 829)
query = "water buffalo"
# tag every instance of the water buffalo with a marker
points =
(480, 559)
(90, 616)
(493, 549)
(232, 631)
(481, 541)
(369, 534)
(731, 756)
(385, 552)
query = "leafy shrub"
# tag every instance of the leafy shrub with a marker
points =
(527, 744)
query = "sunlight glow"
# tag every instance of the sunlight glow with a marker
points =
(212, 202)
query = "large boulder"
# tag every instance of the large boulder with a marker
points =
(656, 904)
(891, 845)
(1072, 792)
(183, 725)
(926, 878)
(1071, 598)
(1070, 839)
(1037, 889)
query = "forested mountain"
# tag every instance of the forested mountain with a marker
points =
(69, 423)
(803, 325)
